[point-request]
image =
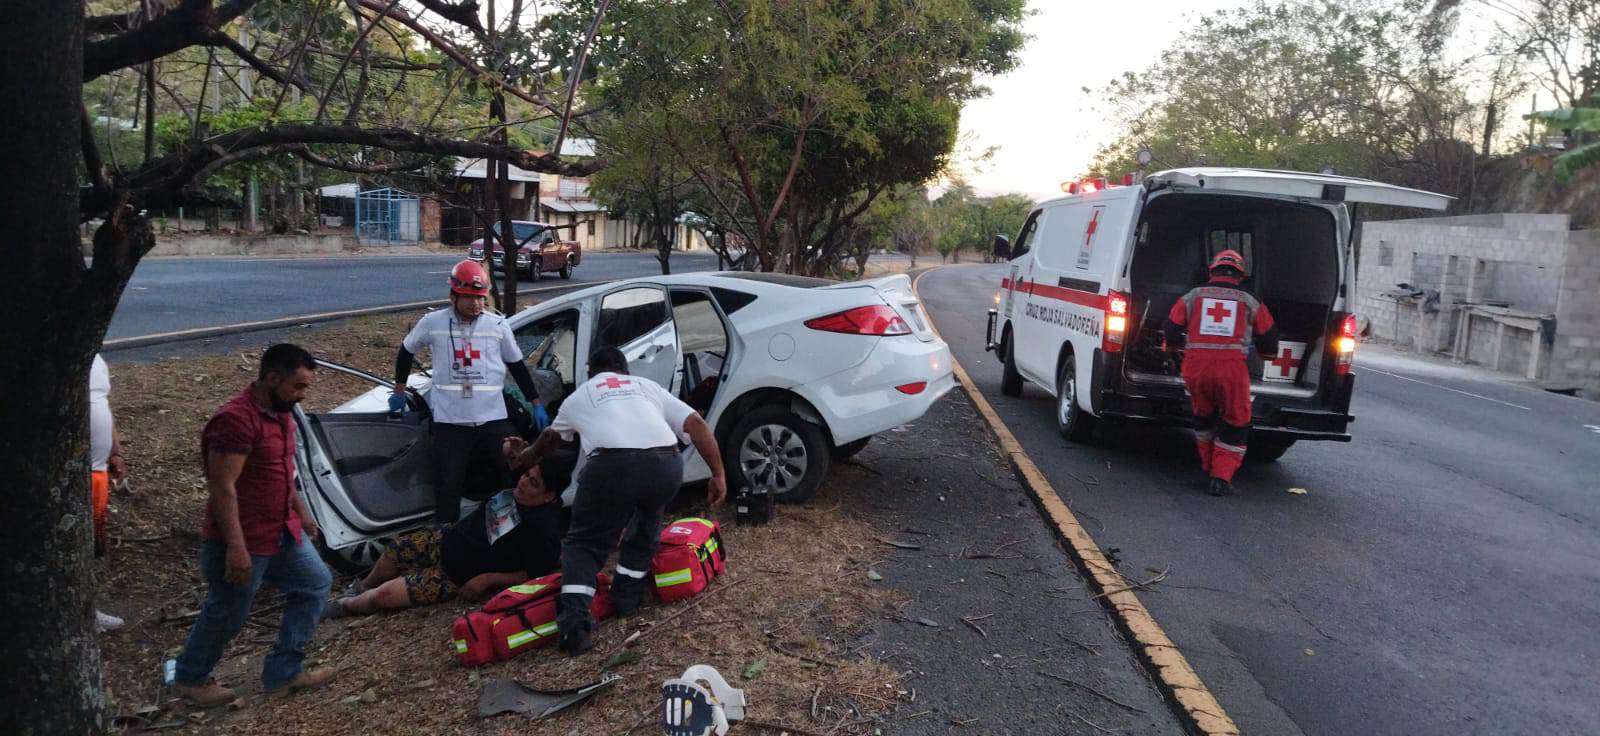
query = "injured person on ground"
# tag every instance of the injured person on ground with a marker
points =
(513, 536)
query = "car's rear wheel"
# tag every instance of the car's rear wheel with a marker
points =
(775, 448)
(566, 268)
(1010, 378)
(1267, 449)
(1072, 421)
(849, 449)
(355, 559)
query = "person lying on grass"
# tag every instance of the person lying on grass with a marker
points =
(511, 538)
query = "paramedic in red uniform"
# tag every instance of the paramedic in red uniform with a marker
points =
(629, 428)
(1222, 321)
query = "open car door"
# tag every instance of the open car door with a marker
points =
(1322, 187)
(370, 473)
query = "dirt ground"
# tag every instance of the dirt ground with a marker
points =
(785, 623)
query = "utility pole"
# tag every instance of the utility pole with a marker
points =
(502, 192)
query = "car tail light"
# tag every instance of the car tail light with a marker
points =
(912, 389)
(1116, 323)
(874, 320)
(1344, 346)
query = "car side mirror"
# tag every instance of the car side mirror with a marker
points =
(1002, 246)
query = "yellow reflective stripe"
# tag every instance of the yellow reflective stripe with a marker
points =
(707, 522)
(711, 544)
(526, 589)
(461, 646)
(676, 577)
(523, 637)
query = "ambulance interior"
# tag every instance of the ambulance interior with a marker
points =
(1293, 256)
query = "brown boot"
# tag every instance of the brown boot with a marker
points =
(306, 680)
(206, 695)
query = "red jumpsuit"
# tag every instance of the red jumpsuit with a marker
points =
(1222, 321)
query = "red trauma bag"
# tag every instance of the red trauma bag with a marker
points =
(690, 557)
(519, 618)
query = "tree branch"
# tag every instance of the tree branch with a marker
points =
(191, 23)
(218, 38)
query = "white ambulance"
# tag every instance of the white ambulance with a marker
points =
(1092, 276)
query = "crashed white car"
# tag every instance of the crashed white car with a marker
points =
(791, 372)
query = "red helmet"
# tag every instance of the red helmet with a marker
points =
(1229, 258)
(468, 277)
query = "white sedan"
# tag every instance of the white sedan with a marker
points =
(792, 372)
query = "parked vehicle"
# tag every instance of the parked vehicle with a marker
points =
(791, 372)
(1092, 276)
(539, 245)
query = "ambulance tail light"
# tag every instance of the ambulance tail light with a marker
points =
(878, 320)
(1116, 329)
(1127, 180)
(1344, 346)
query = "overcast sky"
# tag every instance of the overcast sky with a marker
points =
(1038, 114)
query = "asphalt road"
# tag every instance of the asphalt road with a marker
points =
(171, 294)
(1440, 576)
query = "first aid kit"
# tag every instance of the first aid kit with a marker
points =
(691, 555)
(518, 619)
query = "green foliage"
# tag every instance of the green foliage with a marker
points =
(1294, 84)
(1574, 119)
(792, 118)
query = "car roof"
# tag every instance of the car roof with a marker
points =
(753, 283)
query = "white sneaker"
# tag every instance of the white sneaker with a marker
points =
(107, 622)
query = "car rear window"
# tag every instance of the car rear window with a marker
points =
(782, 279)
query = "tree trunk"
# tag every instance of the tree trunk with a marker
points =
(51, 680)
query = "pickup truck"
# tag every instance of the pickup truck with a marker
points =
(538, 244)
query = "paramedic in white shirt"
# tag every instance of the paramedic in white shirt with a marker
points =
(629, 428)
(472, 350)
(105, 464)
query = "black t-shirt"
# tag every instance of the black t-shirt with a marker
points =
(533, 546)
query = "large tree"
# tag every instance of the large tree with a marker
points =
(793, 118)
(56, 178)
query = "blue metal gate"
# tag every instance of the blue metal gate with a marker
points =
(388, 216)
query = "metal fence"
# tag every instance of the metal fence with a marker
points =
(388, 216)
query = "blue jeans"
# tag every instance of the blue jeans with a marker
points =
(296, 570)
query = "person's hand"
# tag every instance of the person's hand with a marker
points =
(716, 490)
(238, 569)
(476, 589)
(116, 469)
(313, 532)
(513, 447)
(397, 402)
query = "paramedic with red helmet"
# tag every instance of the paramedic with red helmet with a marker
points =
(472, 350)
(1222, 320)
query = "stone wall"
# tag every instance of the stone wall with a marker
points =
(218, 244)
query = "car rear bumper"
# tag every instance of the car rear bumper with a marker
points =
(865, 400)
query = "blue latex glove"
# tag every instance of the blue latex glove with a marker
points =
(397, 403)
(541, 418)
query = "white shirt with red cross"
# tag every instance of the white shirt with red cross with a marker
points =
(469, 364)
(615, 411)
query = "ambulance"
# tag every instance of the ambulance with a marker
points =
(1093, 274)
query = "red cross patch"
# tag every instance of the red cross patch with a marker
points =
(1218, 317)
(466, 354)
(613, 383)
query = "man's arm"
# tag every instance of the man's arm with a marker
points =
(1177, 321)
(402, 368)
(116, 467)
(307, 523)
(705, 443)
(222, 473)
(548, 440)
(1266, 330)
(519, 373)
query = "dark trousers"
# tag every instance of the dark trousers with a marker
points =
(620, 492)
(456, 449)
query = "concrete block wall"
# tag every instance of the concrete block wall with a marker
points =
(1510, 257)
(1575, 356)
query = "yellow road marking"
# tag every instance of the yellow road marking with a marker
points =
(1159, 653)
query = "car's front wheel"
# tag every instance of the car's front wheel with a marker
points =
(775, 448)
(356, 558)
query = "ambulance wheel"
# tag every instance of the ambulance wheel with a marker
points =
(1072, 421)
(1010, 379)
(355, 559)
(776, 448)
(1267, 449)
